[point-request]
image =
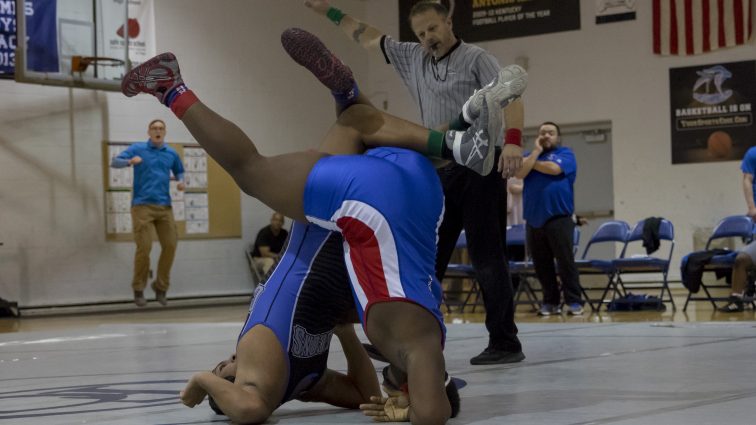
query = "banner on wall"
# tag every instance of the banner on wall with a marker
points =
(42, 40)
(608, 11)
(480, 20)
(140, 30)
(712, 111)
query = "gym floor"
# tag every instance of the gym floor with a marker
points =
(127, 367)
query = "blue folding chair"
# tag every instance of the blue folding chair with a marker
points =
(524, 269)
(467, 272)
(611, 232)
(644, 264)
(734, 226)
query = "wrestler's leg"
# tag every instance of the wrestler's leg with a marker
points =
(277, 181)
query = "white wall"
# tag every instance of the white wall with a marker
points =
(51, 198)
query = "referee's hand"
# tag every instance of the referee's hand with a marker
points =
(510, 160)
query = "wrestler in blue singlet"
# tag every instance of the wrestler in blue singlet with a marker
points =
(303, 299)
(388, 205)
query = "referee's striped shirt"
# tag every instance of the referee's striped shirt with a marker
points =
(441, 88)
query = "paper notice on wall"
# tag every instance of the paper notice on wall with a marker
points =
(196, 164)
(176, 194)
(118, 202)
(119, 178)
(196, 200)
(179, 211)
(197, 226)
(118, 223)
(201, 213)
(196, 180)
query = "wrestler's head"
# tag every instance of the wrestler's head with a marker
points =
(226, 370)
(432, 25)
(549, 136)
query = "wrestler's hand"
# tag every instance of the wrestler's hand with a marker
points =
(510, 160)
(193, 393)
(319, 6)
(387, 409)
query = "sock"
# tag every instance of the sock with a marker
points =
(436, 143)
(179, 99)
(347, 98)
(447, 151)
(459, 123)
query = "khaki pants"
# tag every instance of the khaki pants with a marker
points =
(143, 218)
(264, 264)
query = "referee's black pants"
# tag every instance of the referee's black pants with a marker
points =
(474, 203)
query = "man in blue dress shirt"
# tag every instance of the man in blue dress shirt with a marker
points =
(549, 173)
(153, 163)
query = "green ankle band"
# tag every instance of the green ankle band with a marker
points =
(335, 15)
(435, 143)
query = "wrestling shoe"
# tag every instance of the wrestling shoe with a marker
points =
(473, 148)
(158, 77)
(507, 86)
(308, 51)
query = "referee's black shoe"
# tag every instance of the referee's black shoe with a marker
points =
(493, 355)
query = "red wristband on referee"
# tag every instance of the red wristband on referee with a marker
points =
(182, 103)
(513, 136)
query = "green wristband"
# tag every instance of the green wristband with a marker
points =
(335, 15)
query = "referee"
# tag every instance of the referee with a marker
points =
(441, 73)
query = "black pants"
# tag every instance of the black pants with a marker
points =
(553, 241)
(473, 202)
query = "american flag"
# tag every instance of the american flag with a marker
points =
(691, 27)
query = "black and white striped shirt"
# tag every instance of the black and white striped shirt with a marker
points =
(441, 88)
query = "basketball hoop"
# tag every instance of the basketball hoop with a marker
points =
(81, 63)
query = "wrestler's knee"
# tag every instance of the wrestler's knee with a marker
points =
(363, 118)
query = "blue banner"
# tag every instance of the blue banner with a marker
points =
(42, 36)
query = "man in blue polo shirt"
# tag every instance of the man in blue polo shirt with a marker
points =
(153, 162)
(549, 173)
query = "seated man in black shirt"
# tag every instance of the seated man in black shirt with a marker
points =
(269, 243)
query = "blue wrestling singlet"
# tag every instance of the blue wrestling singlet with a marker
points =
(303, 299)
(388, 205)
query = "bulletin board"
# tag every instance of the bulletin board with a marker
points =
(208, 208)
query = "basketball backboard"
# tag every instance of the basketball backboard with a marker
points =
(82, 43)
